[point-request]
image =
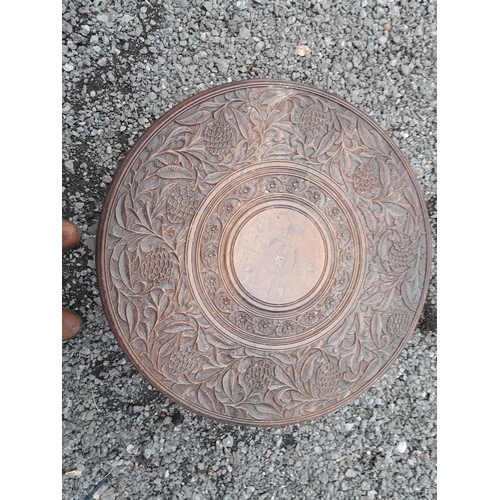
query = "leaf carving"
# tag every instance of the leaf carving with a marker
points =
(261, 411)
(348, 125)
(376, 326)
(279, 150)
(243, 123)
(174, 172)
(307, 369)
(228, 384)
(131, 317)
(205, 399)
(335, 171)
(409, 297)
(366, 136)
(215, 177)
(274, 97)
(124, 269)
(194, 119)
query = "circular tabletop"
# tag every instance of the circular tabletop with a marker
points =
(263, 253)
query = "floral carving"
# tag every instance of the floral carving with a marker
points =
(365, 179)
(327, 377)
(264, 325)
(329, 304)
(242, 320)
(312, 121)
(218, 137)
(288, 328)
(399, 256)
(159, 315)
(181, 204)
(260, 374)
(224, 302)
(211, 281)
(157, 265)
(183, 359)
(398, 323)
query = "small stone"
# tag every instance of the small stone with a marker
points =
(365, 486)
(245, 33)
(70, 166)
(74, 473)
(147, 453)
(350, 473)
(302, 50)
(382, 40)
(201, 466)
(222, 65)
(419, 31)
(351, 79)
(349, 426)
(228, 441)
(401, 447)
(68, 67)
(405, 69)
(318, 450)
(130, 448)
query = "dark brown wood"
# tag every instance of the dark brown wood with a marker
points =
(264, 253)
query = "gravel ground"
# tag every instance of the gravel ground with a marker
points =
(124, 64)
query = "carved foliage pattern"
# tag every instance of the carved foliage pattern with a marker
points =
(154, 311)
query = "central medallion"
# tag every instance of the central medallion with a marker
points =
(273, 258)
(278, 255)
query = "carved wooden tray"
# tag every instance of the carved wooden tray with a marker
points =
(264, 253)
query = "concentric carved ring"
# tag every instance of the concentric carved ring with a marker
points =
(264, 253)
(281, 256)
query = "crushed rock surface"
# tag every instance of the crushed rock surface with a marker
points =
(124, 64)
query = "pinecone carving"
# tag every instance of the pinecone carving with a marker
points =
(312, 121)
(259, 374)
(398, 323)
(365, 179)
(181, 204)
(399, 256)
(327, 377)
(182, 360)
(157, 266)
(218, 137)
